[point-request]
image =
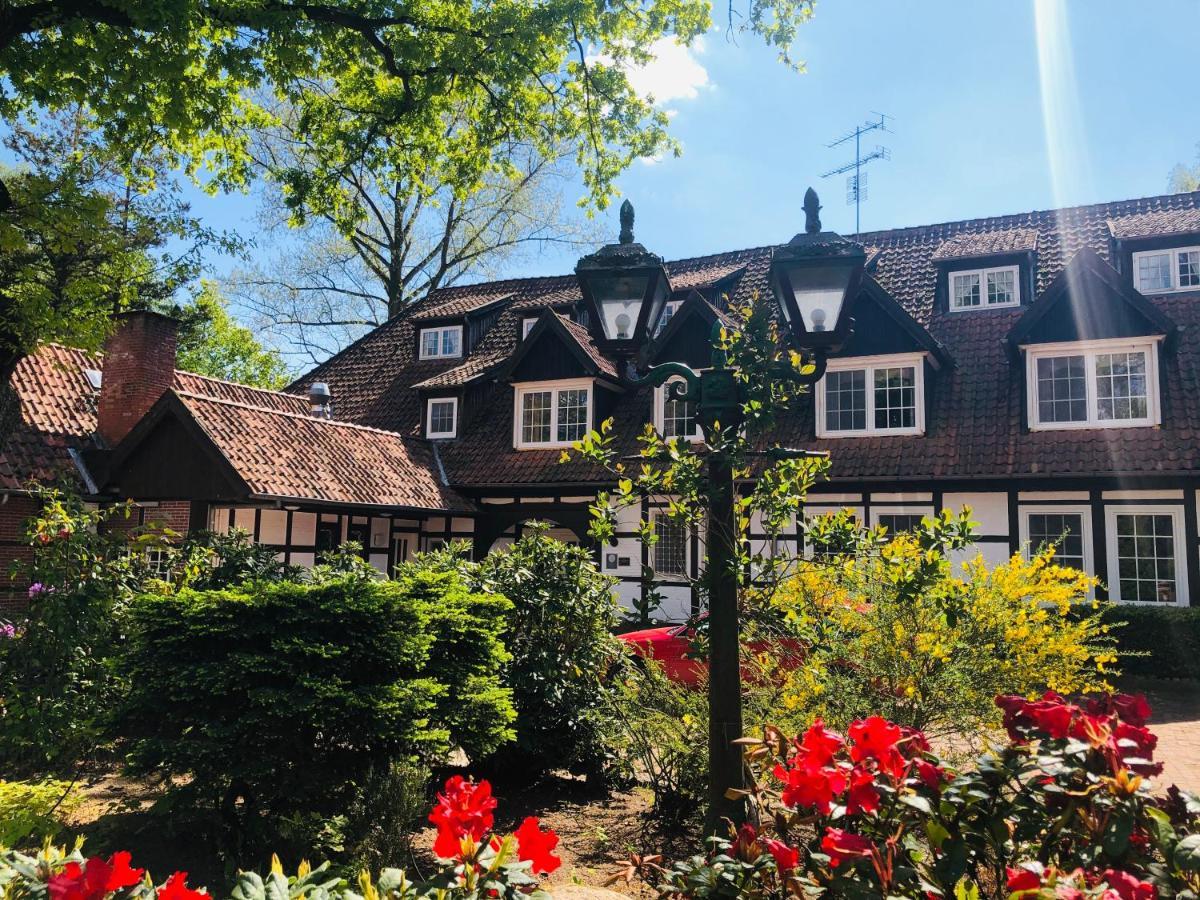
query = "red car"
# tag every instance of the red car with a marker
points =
(670, 646)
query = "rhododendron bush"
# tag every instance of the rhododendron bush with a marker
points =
(1064, 810)
(474, 862)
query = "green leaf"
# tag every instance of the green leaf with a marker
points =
(1187, 854)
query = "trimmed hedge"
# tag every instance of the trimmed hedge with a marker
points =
(288, 696)
(1166, 639)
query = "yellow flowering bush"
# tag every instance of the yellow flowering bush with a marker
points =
(891, 626)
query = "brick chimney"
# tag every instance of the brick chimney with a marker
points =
(139, 366)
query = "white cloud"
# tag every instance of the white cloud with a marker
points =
(674, 74)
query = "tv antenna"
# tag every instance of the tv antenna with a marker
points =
(856, 184)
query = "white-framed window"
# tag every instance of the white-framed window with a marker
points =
(441, 417)
(899, 519)
(527, 326)
(442, 342)
(1146, 560)
(1093, 384)
(1067, 527)
(985, 288)
(675, 418)
(551, 414)
(669, 309)
(872, 395)
(671, 549)
(1172, 269)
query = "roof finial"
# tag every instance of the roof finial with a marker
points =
(812, 212)
(626, 223)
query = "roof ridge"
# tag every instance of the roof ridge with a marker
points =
(284, 412)
(240, 384)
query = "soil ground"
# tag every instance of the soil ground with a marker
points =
(597, 830)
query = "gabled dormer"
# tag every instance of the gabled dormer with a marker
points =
(687, 336)
(1158, 252)
(1091, 350)
(881, 382)
(562, 384)
(988, 270)
(452, 330)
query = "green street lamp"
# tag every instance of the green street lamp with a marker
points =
(626, 287)
(815, 278)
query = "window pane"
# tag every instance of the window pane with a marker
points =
(535, 418)
(1001, 288)
(846, 401)
(1121, 386)
(896, 397)
(1189, 268)
(679, 417)
(1154, 272)
(450, 339)
(441, 417)
(898, 522)
(669, 309)
(1064, 531)
(966, 291)
(1061, 389)
(1146, 557)
(670, 552)
(572, 414)
(429, 343)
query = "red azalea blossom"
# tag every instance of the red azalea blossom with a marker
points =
(122, 875)
(94, 879)
(1135, 742)
(810, 787)
(537, 846)
(876, 738)
(819, 745)
(463, 809)
(176, 889)
(1095, 730)
(914, 741)
(841, 845)
(1020, 880)
(1128, 887)
(786, 858)
(863, 796)
(931, 775)
(1131, 708)
(745, 844)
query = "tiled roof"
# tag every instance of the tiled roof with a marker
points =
(975, 421)
(286, 455)
(988, 243)
(460, 302)
(476, 366)
(584, 338)
(1155, 222)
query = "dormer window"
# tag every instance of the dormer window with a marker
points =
(1093, 384)
(985, 288)
(443, 342)
(527, 326)
(675, 418)
(442, 418)
(1173, 269)
(552, 414)
(872, 395)
(669, 309)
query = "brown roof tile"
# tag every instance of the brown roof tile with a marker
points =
(1155, 222)
(988, 243)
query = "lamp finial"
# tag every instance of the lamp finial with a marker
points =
(626, 223)
(812, 212)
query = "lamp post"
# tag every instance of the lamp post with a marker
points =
(815, 279)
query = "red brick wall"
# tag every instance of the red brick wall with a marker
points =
(13, 549)
(139, 365)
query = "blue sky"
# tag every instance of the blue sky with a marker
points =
(996, 107)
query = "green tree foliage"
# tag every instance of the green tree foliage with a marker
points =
(1185, 178)
(212, 343)
(85, 236)
(291, 697)
(562, 652)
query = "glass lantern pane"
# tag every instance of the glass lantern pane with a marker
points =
(620, 299)
(819, 293)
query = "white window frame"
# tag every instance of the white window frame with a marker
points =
(429, 432)
(983, 274)
(1173, 253)
(441, 330)
(1181, 538)
(660, 414)
(870, 364)
(1090, 350)
(527, 324)
(925, 511)
(655, 515)
(1058, 509)
(553, 387)
(661, 324)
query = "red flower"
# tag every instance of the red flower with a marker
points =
(463, 809)
(1128, 887)
(1131, 708)
(840, 845)
(876, 738)
(122, 875)
(819, 745)
(1051, 715)
(1021, 880)
(809, 786)
(94, 879)
(1095, 730)
(914, 741)
(1135, 745)
(863, 796)
(537, 846)
(745, 844)
(932, 776)
(786, 858)
(176, 889)
(69, 884)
